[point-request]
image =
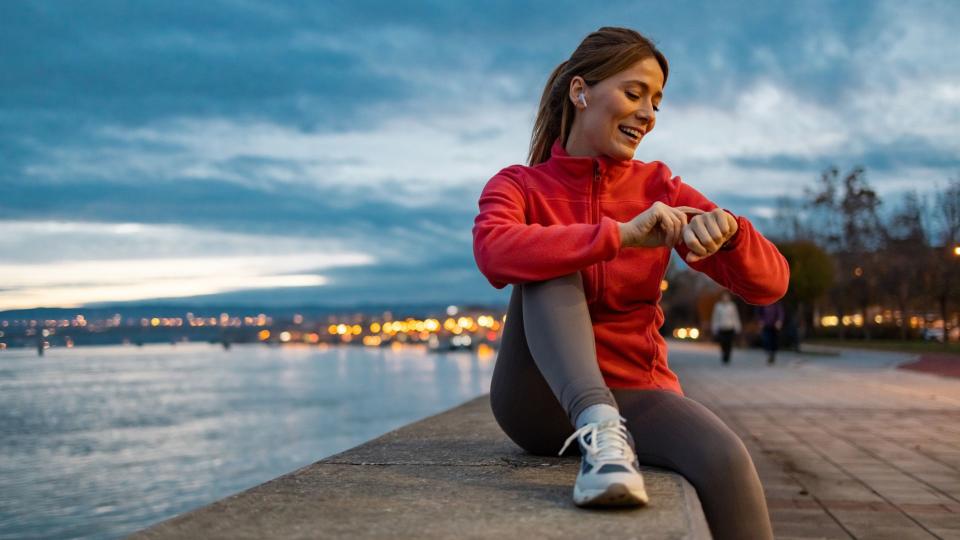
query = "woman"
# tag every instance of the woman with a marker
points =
(725, 324)
(584, 233)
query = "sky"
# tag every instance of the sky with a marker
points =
(284, 153)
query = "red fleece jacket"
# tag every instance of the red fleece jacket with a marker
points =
(561, 216)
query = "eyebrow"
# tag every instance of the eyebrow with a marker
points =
(645, 85)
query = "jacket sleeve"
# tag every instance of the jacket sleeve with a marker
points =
(748, 265)
(509, 250)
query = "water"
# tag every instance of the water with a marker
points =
(98, 442)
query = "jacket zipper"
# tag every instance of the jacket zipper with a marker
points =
(596, 219)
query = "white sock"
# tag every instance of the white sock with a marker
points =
(597, 413)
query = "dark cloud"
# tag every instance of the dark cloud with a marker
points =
(904, 152)
(70, 69)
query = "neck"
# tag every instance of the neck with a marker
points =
(577, 145)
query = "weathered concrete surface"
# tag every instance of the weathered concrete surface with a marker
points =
(453, 475)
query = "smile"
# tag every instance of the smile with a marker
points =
(633, 134)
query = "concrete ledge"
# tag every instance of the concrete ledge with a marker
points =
(452, 475)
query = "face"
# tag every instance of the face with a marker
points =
(620, 110)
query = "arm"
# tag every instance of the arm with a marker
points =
(748, 264)
(509, 250)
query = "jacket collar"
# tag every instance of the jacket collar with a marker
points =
(582, 167)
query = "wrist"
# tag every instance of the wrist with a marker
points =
(626, 235)
(729, 244)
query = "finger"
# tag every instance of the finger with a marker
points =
(703, 234)
(692, 242)
(714, 229)
(670, 223)
(682, 221)
(724, 223)
(675, 227)
(689, 212)
(732, 224)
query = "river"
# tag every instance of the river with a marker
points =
(98, 442)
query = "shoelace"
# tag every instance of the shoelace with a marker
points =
(607, 442)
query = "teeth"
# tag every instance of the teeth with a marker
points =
(635, 133)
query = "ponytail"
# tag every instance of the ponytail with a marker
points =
(553, 116)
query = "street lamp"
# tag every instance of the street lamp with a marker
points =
(956, 251)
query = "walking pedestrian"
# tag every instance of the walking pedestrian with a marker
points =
(771, 321)
(725, 325)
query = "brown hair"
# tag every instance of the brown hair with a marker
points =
(601, 54)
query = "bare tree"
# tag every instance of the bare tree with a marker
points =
(947, 210)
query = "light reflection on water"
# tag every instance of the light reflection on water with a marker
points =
(101, 441)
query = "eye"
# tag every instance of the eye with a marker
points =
(632, 96)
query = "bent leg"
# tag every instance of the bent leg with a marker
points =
(522, 402)
(559, 332)
(679, 433)
(546, 370)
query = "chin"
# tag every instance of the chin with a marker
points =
(622, 154)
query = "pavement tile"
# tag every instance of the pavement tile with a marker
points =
(854, 440)
(808, 530)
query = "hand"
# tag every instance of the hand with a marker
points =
(707, 232)
(659, 225)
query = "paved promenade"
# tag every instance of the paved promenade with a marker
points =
(846, 446)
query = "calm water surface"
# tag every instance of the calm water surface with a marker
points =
(98, 442)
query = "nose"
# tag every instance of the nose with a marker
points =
(644, 114)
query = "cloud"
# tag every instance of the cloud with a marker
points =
(415, 154)
(242, 130)
(84, 262)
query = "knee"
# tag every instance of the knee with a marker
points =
(575, 279)
(724, 456)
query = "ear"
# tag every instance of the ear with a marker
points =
(577, 85)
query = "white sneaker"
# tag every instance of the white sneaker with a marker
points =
(609, 471)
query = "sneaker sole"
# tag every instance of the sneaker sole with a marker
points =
(613, 495)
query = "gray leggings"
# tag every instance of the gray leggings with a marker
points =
(547, 372)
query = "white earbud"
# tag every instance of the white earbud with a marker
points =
(583, 99)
